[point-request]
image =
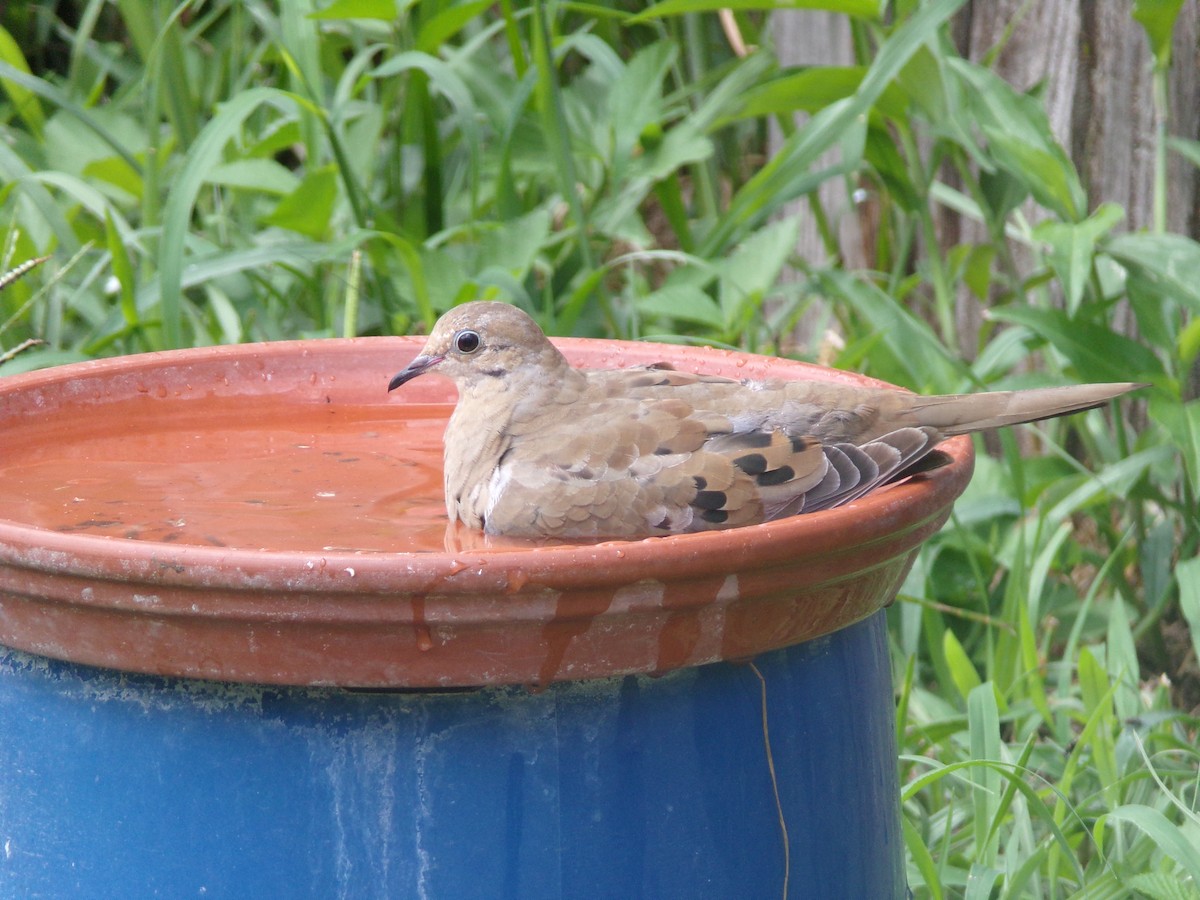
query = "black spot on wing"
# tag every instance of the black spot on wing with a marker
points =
(710, 500)
(752, 463)
(782, 475)
(715, 516)
(752, 439)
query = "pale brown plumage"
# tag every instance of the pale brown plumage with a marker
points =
(537, 448)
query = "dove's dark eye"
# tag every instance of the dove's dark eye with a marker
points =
(466, 342)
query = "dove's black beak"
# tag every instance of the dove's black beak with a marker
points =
(418, 366)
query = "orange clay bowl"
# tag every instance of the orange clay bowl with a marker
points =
(268, 513)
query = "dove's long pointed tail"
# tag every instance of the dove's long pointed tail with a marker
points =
(963, 413)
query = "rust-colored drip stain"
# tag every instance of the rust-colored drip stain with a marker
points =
(236, 472)
(424, 636)
(682, 631)
(574, 615)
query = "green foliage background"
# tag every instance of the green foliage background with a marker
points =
(231, 171)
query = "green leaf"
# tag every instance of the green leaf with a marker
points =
(1046, 171)
(353, 292)
(1162, 273)
(513, 246)
(883, 156)
(71, 146)
(922, 859)
(79, 190)
(1156, 562)
(289, 253)
(1033, 800)
(1072, 246)
(1157, 18)
(224, 315)
(1020, 139)
(812, 89)
(1182, 422)
(966, 678)
(1161, 886)
(41, 358)
(419, 284)
(977, 269)
(753, 268)
(1002, 192)
(723, 100)
(982, 881)
(278, 138)
(439, 29)
(1116, 479)
(204, 153)
(1164, 834)
(442, 76)
(122, 270)
(458, 264)
(932, 88)
(1121, 661)
(680, 146)
(115, 171)
(1187, 575)
(24, 101)
(1036, 685)
(1096, 351)
(47, 224)
(983, 727)
(863, 9)
(157, 34)
(263, 175)
(49, 92)
(308, 209)
(683, 302)
(1093, 683)
(1189, 150)
(1188, 342)
(1097, 694)
(635, 100)
(926, 364)
(1169, 264)
(384, 10)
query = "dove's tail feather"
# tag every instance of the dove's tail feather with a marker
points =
(963, 413)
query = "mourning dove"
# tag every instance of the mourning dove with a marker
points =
(536, 448)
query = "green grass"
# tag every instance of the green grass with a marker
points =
(230, 171)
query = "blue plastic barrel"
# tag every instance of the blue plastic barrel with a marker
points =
(118, 785)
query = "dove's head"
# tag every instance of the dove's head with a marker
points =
(481, 342)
